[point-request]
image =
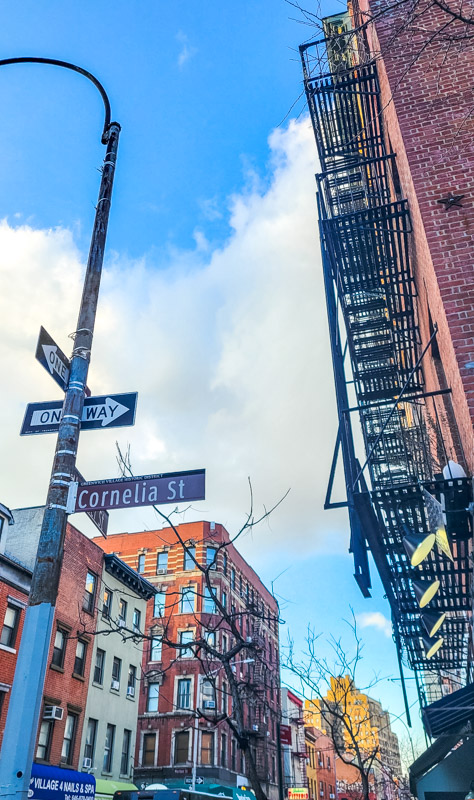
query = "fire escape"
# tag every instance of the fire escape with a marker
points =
(378, 362)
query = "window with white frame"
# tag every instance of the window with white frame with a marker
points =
(155, 648)
(208, 694)
(152, 697)
(183, 694)
(188, 600)
(107, 603)
(189, 558)
(210, 638)
(89, 592)
(162, 562)
(209, 606)
(148, 750)
(181, 747)
(131, 681)
(68, 740)
(91, 737)
(116, 670)
(44, 740)
(141, 563)
(185, 637)
(80, 658)
(207, 748)
(10, 625)
(136, 620)
(159, 604)
(211, 553)
(125, 760)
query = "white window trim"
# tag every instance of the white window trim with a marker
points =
(142, 738)
(5, 687)
(177, 710)
(190, 745)
(194, 587)
(213, 734)
(178, 649)
(14, 601)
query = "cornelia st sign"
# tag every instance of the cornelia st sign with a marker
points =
(147, 490)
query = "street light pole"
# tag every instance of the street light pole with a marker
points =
(26, 696)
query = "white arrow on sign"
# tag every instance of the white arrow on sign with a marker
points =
(54, 362)
(106, 412)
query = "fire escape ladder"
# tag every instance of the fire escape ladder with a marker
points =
(365, 232)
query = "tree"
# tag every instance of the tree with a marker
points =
(234, 644)
(335, 704)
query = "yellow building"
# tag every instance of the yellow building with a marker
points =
(347, 711)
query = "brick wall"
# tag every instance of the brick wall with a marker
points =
(428, 100)
(7, 658)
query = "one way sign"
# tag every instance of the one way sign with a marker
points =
(111, 411)
(52, 358)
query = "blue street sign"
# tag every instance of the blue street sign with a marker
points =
(55, 783)
(111, 411)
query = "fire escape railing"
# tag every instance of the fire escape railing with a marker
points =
(365, 236)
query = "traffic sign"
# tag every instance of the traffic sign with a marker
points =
(147, 490)
(112, 411)
(53, 359)
(100, 518)
(199, 781)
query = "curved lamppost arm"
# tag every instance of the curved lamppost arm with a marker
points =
(75, 68)
(24, 709)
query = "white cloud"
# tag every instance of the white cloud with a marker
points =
(186, 51)
(228, 349)
(375, 619)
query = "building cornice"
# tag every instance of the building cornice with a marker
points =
(116, 567)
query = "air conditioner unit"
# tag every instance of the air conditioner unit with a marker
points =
(130, 691)
(86, 763)
(321, 792)
(53, 712)
(209, 704)
(115, 685)
(161, 571)
(121, 623)
(332, 797)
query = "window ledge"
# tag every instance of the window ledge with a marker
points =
(132, 699)
(97, 685)
(78, 677)
(114, 691)
(7, 649)
(56, 668)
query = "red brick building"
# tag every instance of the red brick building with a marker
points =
(390, 94)
(69, 661)
(172, 685)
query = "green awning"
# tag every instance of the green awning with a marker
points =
(108, 788)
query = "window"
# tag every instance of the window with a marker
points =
(210, 637)
(207, 748)
(152, 697)
(59, 648)
(223, 750)
(162, 562)
(125, 760)
(148, 755)
(224, 698)
(136, 620)
(241, 588)
(208, 694)
(224, 599)
(232, 578)
(181, 747)
(122, 611)
(209, 606)
(131, 680)
(80, 659)
(233, 755)
(89, 592)
(44, 740)
(159, 604)
(10, 626)
(184, 693)
(99, 666)
(224, 643)
(328, 763)
(116, 670)
(155, 649)
(187, 601)
(108, 748)
(184, 638)
(91, 736)
(141, 566)
(68, 741)
(107, 604)
(189, 558)
(224, 563)
(211, 557)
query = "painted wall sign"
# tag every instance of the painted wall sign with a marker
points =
(298, 793)
(147, 490)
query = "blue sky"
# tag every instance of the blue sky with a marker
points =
(212, 300)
